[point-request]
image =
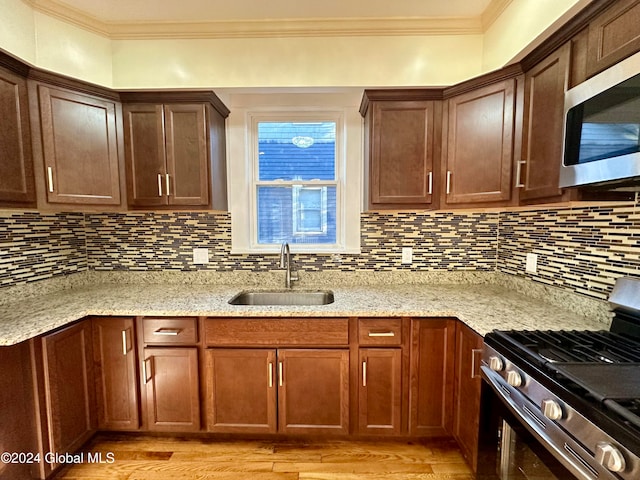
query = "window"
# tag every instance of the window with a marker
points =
(294, 173)
(295, 182)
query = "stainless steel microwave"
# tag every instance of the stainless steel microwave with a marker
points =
(602, 130)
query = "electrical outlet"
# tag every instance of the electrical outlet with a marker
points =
(532, 263)
(407, 255)
(200, 256)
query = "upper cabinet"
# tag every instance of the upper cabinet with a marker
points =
(613, 35)
(76, 145)
(400, 151)
(17, 186)
(478, 145)
(175, 152)
(538, 168)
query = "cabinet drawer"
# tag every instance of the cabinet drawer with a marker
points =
(380, 331)
(175, 331)
(276, 331)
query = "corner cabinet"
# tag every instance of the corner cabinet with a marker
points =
(78, 150)
(478, 145)
(400, 131)
(17, 187)
(175, 152)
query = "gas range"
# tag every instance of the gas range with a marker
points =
(577, 391)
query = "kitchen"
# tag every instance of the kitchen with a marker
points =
(581, 248)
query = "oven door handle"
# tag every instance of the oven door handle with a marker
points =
(568, 452)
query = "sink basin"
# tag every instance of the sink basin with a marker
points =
(283, 297)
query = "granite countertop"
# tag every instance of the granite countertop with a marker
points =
(483, 307)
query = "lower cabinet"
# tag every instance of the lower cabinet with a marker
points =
(380, 391)
(278, 390)
(116, 373)
(467, 392)
(431, 372)
(171, 385)
(65, 393)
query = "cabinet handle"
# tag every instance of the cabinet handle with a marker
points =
(430, 183)
(159, 184)
(144, 371)
(280, 369)
(448, 182)
(382, 334)
(124, 343)
(519, 165)
(474, 353)
(166, 181)
(173, 332)
(270, 372)
(50, 178)
(364, 373)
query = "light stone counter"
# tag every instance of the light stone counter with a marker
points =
(484, 303)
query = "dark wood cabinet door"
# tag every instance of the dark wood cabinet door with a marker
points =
(479, 146)
(613, 35)
(467, 392)
(171, 382)
(241, 390)
(145, 154)
(80, 148)
(115, 373)
(401, 153)
(431, 377)
(380, 391)
(313, 391)
(16, 163)
(186, 154)
(545, 85)
(69, 388)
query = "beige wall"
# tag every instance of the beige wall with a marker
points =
(426, 60)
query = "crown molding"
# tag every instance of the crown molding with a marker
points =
(322, 27)
(493, 11)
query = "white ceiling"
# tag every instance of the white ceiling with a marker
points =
(125, 11)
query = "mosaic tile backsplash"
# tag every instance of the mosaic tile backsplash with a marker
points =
(583, 249)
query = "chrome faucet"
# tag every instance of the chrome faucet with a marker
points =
(285, 262)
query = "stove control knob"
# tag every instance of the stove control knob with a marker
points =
(551, 409)
(514, 378)
(610, 457)
(496, 364)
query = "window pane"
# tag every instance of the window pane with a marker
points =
(296, 214)
(296, 151)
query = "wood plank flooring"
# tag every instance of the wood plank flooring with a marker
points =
(159, 458)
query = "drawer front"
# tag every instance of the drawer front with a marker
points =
(380, 331)
(276, 331)
(174, 331)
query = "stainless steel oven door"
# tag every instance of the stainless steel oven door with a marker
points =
(526, 444)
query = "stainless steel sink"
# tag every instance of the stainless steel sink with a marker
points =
(283, 297)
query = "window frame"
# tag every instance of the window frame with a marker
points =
(242, 166)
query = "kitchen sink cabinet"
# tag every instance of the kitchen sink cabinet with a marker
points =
(466, 418)
(65, 398)
(17, 187)
(175, 152)
(432, 360)
(401, 127)
(76, 146)
(478, 133)
(538, 172)
(116, 375)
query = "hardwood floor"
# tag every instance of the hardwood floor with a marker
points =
(156, 458)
